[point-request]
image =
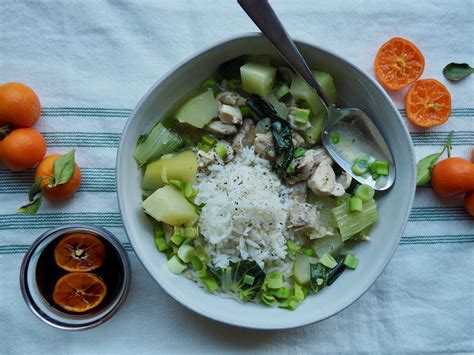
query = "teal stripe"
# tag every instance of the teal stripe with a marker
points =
(423, 214)
(23, 248)
(457, 112)
(82, 139)
(438, 239)
(112, 140)
(86, 112)
(93, 180)
(406, 240)
(440, 138)
(111, 219)
(101, 112)
(47, 220)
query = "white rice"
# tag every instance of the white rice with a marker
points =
(245, 213)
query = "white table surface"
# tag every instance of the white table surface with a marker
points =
(91, 61)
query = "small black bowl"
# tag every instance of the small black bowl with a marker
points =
(39, 274)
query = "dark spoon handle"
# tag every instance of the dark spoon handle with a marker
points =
(267, 21)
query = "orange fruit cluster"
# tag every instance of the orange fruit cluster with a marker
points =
(399, 63)
(20, 109)
(23, 147)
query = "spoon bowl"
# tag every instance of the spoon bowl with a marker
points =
(359, 133)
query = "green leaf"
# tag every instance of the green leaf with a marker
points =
(64, 168)
(424, 168)
(425, 165)
(457, 71)
(36, 187)
(32, 207)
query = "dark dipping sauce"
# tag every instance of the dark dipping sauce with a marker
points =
(48, 273)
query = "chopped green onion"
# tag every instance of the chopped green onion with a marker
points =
(234, 84)
(282, 293)
(249, 279)
(364, 192)
(221, 150)
(189, 191)
(328, 261)
(175, 265)
(176, 239)
(208, 139)
(245, 111)
(354, 204)
(351, 261)
(201, 254)
(291, 169)
(308, 251)
(158, 231)
(177, 183)
(380, 168)
(191, 232)
(174, 248)
(299, 152)
(202, 272)
(211, 84)
(196, 263)
(268, 299)
(360, 167)
(186, 252)
(302, 115)
(298, 292)
(161, 244)
(274, 280)
(204, 147)
(292, 246)
(335, 137)
(210, 283)
(290, 304)
(282, 91)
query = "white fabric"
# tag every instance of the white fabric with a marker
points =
(84, 56)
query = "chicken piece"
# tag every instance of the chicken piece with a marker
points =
(245, 137)
(231, 98)
(221, 128)
(320, 232)
(298, 192)
(323, 180)
(263, 145)
(291, 119)
(286, 74)
(206, 158)
(310, 161)
(298, 140)
(302, 216)
(345, 180)
(230, 114)
(338, 190)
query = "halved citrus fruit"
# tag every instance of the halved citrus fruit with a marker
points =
(398, 63)
(79, 291)
(79, 252)
(428, 103)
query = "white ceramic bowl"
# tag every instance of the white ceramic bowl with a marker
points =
(356, 89)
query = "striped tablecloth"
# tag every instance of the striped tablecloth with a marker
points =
(90, 62)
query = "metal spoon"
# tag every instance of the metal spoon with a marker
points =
(358, 134)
